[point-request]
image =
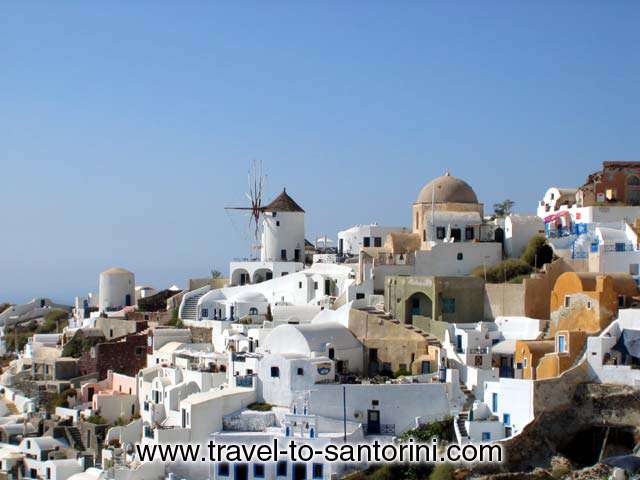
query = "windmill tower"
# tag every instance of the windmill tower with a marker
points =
(277, 228)
(257, 181)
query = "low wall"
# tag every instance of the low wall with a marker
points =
(503, 300)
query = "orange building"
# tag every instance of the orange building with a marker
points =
(581, 304)
(588, 302)
(529, 353)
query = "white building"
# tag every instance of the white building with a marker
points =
(117, 289)
(352, 240)
(518, 230)
(318, 285)
(282, 246)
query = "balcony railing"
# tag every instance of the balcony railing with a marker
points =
(244, 380)
(385, 429)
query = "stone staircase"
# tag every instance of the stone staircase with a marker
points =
(190, 308)
(431, 340)
(76, 440)
(466, 411)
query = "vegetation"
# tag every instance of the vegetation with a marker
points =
(260, 406)
(79, 345)
(61, 400)
(175, 319)
(54, 321)
(505, 271)
(401, 372)
(4, 306)
(503, 208)
(121, 421)
(96, 419)
(515, 270)
(442, 430)
(216, 274)
(538, 252)
(442, 471)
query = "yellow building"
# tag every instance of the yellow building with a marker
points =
(581, 304)
(588, 302)
(529, 353)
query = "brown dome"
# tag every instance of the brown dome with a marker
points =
(447, 189)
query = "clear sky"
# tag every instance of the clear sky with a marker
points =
(125, 127)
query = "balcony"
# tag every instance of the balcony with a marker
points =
(244, 381)
(384, 429)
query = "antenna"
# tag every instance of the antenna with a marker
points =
(256, 183)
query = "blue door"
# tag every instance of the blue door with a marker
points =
(459, 343)
(506, 419)
(486, 436)
(494, 402)
(561, 344)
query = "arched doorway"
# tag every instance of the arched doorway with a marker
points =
(262, 274)
(498, 235)
(240, 276)
(417, 304)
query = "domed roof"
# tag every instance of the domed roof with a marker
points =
(447, 189)
(116, 271)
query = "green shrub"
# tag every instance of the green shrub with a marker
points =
(54, 321)
(538, 252)
(442, 471)
(442, 430)
(96, 419)
(260, 406)
(504, 271)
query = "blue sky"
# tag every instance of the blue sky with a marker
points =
(125, 128)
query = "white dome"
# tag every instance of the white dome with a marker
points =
(248, 297)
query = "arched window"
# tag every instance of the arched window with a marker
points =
(253, 311)
(633, 180)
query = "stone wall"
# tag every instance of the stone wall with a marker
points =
(201, 334)
(505, 299)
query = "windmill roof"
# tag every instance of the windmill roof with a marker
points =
(283, 203)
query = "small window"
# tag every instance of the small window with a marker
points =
(562, 347)
(366, 241)
(375, 403)
(332, 353)
(486, 436)
(377, 241)
(300, 371)
(424, 235)
(277, 223)
(448, 305)
(440, 232)
(205, 313)
(359, 296)
(223, 469)
(258, 470)
(620, 300)
(468, 233)
(281, 469)
(315, 285)
(275, 372)
(299, 284)
(460, 256)
(633, 269)
(283, 254)
(589, 305)
(525, 362)
(567, 301)
(317, 471)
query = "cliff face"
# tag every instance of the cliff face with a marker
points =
(578, 428)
